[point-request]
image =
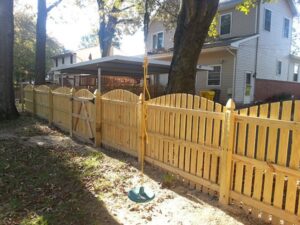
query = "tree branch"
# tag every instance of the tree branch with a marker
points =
(126, 21)
(128, 7)
(54, 5)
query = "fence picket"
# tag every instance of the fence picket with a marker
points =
(250, 152)
(241, 140)
(282, 154)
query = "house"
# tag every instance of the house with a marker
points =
(251, 50)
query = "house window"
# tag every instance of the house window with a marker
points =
(296, 72)
(158, 40)
(214, 76)
(71, 59)
(268, 19)
(279, 67)
(56, 62)
(225, 24)
(63, 60)
(286, 28)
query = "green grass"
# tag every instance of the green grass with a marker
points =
(44, 186)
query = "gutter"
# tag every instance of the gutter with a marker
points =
(234, 71)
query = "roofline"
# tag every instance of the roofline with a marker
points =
(110, 58)
(296, 57)
(62, 54)
(237, 43)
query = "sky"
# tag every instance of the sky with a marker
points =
(67, 24)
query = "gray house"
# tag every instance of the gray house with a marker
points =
(251, 50)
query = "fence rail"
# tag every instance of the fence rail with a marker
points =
(249, 156)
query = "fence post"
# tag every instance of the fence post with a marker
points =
(33, 101)
(226, 155)
(50, 107)
(22, 96)
(71, 111)
(97, 118)
(141, 129)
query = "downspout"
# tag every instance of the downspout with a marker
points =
(234, 71)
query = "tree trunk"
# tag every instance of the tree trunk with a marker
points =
(105, 39)
(107, 28)
(7, 99)
(193, 23)
(40, 57)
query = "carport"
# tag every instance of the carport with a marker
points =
(118, 66)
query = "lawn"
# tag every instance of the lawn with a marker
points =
(47, 178)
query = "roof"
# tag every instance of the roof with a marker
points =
(219, 42)
(232, 41)
(63, 54)
(295, 57)
(116, 66)
(120, 66)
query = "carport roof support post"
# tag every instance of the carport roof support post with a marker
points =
(99, 79)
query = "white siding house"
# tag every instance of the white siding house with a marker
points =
(249, 47)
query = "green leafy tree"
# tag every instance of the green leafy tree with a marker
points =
(24, 46)
(116, 18)
(89, 41)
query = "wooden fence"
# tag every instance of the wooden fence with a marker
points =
(250, 157)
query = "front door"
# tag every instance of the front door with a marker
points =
(248, 87)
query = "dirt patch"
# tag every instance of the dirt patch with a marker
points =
(99, 179)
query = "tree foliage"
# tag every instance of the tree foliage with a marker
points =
(24, 47)
(116, 18)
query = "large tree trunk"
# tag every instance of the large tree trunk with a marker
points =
(7, 99)
(107, 27)
(40, 57)
(105, 35)
(193, 23)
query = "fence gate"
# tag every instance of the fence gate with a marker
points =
(83, 114)
(119, 124)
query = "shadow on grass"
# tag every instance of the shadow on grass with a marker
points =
(43, 186)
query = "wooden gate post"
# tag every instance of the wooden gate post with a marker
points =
(141, 129)
(71, 112)
(50, 107)
(226, 155)
(98, 108)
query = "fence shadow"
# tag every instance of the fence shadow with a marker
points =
(40, 184)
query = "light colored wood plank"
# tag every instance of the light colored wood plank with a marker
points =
(195, 136)
(260, 154)
(188, 133)
(241, 149)
(250, 152)
(178, 150)
(282, 154)
(208, 141)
